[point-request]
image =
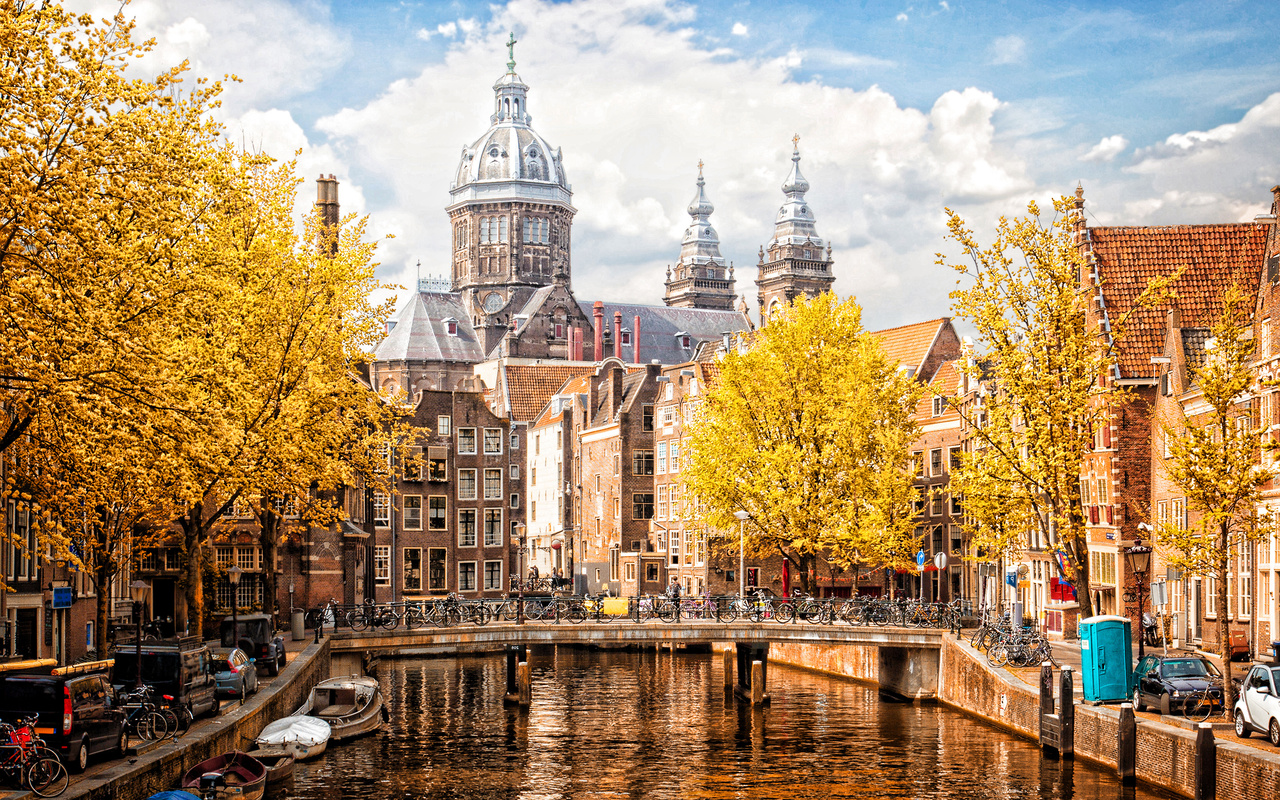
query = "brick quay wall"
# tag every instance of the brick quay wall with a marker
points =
(1165, 754)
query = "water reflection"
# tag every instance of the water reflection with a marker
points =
(646, 725)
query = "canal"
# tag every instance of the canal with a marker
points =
(647, 725)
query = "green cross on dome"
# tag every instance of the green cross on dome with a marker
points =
(511, 52)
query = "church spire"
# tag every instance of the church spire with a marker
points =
(700, 277)
(795, 263)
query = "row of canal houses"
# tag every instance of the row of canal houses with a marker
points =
(572, 468)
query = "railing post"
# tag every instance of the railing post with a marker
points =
(1127, 745)
(1206, 763)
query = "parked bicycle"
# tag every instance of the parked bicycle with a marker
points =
(142, 718)
(26, 761)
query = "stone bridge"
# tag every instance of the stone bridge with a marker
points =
(908, 658)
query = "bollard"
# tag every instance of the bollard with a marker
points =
(1046, 688)
(1067, 712)
(728, 670)
(1127, 745)
(757, 683)
(1206, 763)
(526, 684)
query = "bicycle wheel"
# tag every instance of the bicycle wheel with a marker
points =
(357, 621)
(1200, 708)
(785, 613)
(576, 614)
(998, 654)
(47, 777)
(667, 612)
(725, 612)
(170, 718)
(152, 726)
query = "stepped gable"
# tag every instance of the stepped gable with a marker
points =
(663, 329)
(1212, 257)
(421, 331)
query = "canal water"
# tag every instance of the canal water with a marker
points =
(647, 725)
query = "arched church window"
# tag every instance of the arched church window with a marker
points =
(484, 230)
(546, 228)
(506, 108)
(502, 229)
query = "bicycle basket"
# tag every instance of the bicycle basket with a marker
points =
(20, 736)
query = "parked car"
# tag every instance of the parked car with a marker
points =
(255, 636)
(1168, 682)
(234, 673)
(1258, 707)
(180, 668)
(75, 707)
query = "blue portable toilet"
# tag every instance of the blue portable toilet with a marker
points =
(1106, 655)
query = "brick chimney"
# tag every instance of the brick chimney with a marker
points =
(598, 313)
(617, 335)
(635, 359)
(327, 204)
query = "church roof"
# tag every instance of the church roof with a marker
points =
(662, 328)
(421, 331)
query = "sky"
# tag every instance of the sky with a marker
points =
(1166, 113)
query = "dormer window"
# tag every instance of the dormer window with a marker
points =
(626, 337)
(451, 326)
(684, 339)
(559, 330)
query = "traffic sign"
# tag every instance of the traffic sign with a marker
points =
(920, 559)
(940, 560)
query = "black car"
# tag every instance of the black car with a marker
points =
(180, 668)
(76, 709)
(1169, 682)
(253, 633)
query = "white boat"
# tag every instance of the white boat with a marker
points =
(306, 737)
(351, 706)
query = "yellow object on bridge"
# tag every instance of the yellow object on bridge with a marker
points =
(616, 606)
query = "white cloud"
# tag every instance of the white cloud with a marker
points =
(1008, 50)
(448, 29)
(1107, 149)
(739, 29)
(902, 17)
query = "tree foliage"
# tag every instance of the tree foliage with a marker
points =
(1044, 371)
(1211, 453)
(809, 431)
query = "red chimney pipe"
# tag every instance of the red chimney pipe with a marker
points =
(617, 335)
(599, 315)
(636, 341)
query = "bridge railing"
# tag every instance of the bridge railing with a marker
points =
(452, 611)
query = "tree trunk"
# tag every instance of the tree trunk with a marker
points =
(102, 574)
(189, 614)
(1224, 617)
(270, 541)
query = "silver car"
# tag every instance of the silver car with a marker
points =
(1258, 708)
(235, 673)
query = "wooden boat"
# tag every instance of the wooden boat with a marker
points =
(305, 737)
(352, 705)
(245, 777)
(278, 761)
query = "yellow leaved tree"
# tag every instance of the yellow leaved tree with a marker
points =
(809, 431)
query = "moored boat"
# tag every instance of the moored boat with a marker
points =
(278, 761)
(352, 705)
(244, 777)
(305, 737)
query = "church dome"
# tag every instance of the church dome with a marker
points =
(510, 161)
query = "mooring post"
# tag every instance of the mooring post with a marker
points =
(526, 685)
(1067, 713)
(1206, 763)
(1046, 688)
(728, 670)
(1049, 723)
(757, 683)
(515, 654)
(1127, 745)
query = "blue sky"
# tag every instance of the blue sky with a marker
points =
(1168, 113)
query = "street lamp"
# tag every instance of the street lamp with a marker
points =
(233, 577)
(138, 590)
(520, 575)
(742, 552)
(1139, 558)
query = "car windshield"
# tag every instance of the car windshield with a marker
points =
(18, 696)
(1185, 668)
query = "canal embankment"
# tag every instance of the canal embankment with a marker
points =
(137, 777)
(1166, 754)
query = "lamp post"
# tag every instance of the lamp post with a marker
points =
(138, 590)
(742, 516)
(1139, 558)
(520, 575)
(233, 577)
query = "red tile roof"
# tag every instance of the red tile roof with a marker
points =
(529, 387)
(1211, 257)
(909, 344)
(575, 385)
(945, 381)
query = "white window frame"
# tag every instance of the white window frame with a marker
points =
(492, 533)
(492, 435)
(462, 527)
(444, 425)
(411, 516)
(381, 509)
(491, 585)
(462, 565)
(463, 448)
(492, 490)
(463, 492)
(382, 565)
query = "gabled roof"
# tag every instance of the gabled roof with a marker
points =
(1211, 257)
(945, 381)
(574, 388)
(421, 331)
(909, 345)
(660, 325)
(529, 387)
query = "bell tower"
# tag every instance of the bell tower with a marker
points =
(700, 279)
(510, 212)
(797, 261)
